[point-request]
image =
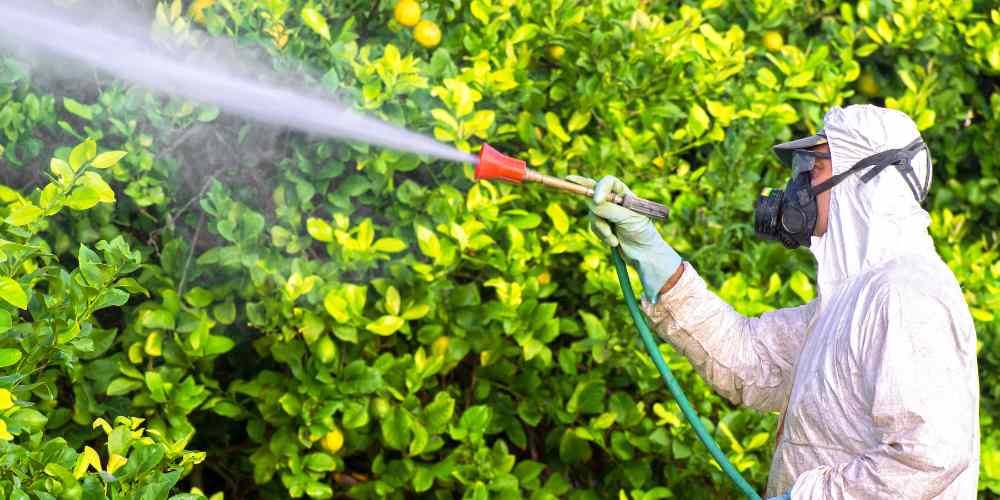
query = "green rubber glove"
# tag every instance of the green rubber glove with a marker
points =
(616, 225)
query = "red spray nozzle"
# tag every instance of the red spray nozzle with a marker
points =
(495, 165)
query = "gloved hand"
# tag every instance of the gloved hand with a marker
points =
(786, 496)
(652, 257)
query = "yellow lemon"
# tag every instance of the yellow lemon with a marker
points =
(407, 13)
(427, 34)
(555, 52)
(333, 441)
(197, 9)
(6, 400)
(773, 41)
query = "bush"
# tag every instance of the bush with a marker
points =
(331, 319)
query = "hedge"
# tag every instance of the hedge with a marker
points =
(198, 305)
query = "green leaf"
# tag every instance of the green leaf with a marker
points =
(480, 11)
(6, 321)
(160, 319)
(392, 301)
(218, 344)
(698, 120)
(439, 412)
(12, 292)
(356, 296)
(91, 189)
(758, 440)
(83, 198)
(476, 418)
(396, 429)
(108, 159)
(800, 80)
(423, 479)
(386, 325)
(28, 418)
(9, 356)
(420, 438)
(321, 462)
(82, 153)
(801, 286)
(62, 171)
(722, 112)
(199, 297)
(290, 403)
(122, 385)
(445, 117)
(319, 229)
(524, 33)
(558, 216)
(225, 312)
(355, 414)
(579, 120)
(23, 214)
(587, 398)
(428, 242)
(336, 306)
(389, 245)
(154, 382)
(480, 123)
(981, 315)
(555, 127)
(315, 21)
(317, 489)
(572, 449)
(111, 297)
(78, 109)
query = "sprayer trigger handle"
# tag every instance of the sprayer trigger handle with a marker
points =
(648, 208)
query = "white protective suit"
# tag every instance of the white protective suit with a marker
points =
(876, 378)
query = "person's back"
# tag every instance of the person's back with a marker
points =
(876, 378)
(887, 443)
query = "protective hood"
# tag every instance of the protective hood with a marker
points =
(875, 221)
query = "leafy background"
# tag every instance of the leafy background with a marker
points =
(195, 305)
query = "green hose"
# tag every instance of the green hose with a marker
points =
(668, 377)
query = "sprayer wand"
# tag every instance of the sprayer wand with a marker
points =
(495, 165)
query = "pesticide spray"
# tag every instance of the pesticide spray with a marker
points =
(199, 77)
(135, 59)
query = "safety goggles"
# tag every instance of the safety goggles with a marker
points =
(803, 160)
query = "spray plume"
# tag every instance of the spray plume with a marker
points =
(113, 49)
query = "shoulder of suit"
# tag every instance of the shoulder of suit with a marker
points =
(916, 281)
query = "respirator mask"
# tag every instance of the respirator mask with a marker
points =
(790, 216)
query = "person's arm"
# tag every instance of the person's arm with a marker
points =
(749, 361)
(918, 359)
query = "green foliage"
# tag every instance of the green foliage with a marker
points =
(53, 340)
(329, 319)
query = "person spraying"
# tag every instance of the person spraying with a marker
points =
(876, 378)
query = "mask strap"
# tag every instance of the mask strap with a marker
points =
(879, 161)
